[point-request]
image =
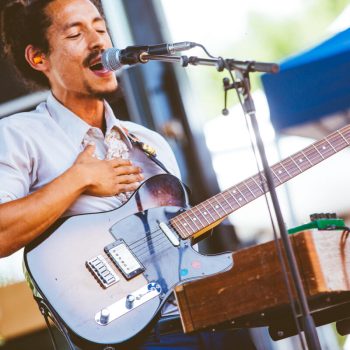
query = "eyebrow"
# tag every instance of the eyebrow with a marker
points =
(77, 24)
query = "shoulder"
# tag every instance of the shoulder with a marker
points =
(26, 123)
(148, 136)
(140, 130)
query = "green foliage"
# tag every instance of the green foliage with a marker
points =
(268, 39)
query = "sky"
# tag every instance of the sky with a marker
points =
(201, 21)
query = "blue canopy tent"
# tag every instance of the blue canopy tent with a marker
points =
(311, 85)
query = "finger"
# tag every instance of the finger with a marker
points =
(128, 187)
(127, 170)
(116, 162)
(128, 179)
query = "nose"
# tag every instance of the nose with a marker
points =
(96, 40)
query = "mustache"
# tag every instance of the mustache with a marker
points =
(92, 56)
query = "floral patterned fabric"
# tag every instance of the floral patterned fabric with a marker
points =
(115, 147)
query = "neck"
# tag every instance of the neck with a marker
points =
(88, 108)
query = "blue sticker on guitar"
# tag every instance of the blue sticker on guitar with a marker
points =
(184, 272)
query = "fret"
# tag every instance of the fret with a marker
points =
(193, 217)
(188, 221)
(324, 147)
(260, 188)
(254, 187)
(306, 157)
(262, 181)
(204, 213)
(241, 197)
(276, 176)
(293, 168)
(318, 151)
(174, 224)
(338, 140)
(184, 225)
(301, 170)
(283, 171)
(244, 193)
(229, 204)
(249, 189)
(228, 198)
(343, 137)
(220, 205)
(215, 215)
(312, 155)
(208, 211)
(238, 195)
(215, 207)
(199, 216)
(229, 192)
(299, 159)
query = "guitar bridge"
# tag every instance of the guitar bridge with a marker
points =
(124, 259)
(101, 270)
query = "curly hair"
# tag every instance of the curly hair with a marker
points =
(23, 23)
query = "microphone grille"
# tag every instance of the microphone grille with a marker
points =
(110, 59)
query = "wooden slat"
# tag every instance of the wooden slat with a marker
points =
(255, 283)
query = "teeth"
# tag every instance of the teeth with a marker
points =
(97, 66)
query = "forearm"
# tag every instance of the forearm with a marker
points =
(24, 219)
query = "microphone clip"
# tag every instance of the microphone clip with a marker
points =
(133, 54)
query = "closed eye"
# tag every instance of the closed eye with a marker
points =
(73, 36)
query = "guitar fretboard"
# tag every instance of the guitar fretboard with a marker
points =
(216, 208)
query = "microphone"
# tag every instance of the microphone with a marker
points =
(114, 59)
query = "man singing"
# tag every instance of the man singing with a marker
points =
(71, 155)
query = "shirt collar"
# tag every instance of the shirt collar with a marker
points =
(112, 122)
(76, 128)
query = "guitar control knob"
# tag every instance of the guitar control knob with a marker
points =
(104, 316)
(129, 301)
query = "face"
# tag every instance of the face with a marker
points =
(77, 37)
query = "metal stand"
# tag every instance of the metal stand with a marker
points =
(307, 320)
(244, 68)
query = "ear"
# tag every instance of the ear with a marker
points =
(36, 58)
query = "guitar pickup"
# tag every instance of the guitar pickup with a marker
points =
(101, 270)
(124, 259)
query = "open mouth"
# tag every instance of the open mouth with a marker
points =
(97, 67)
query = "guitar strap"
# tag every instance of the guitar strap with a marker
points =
(149, 151)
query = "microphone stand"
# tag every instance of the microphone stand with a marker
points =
(244, 68)
(307, 320)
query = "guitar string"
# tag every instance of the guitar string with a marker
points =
(143, 245)
(158, 232)
(145, 239)
(159, 245)
(314, 155)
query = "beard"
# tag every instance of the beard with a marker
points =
(101, 94)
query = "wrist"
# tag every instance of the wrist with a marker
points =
(78, 177)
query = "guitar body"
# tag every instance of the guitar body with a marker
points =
(60, 264)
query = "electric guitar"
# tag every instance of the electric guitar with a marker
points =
(106, 275)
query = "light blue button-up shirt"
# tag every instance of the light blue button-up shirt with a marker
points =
(38, 146)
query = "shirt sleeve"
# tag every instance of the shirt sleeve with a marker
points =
(15, 163)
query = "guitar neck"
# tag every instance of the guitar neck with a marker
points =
(208, 213)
